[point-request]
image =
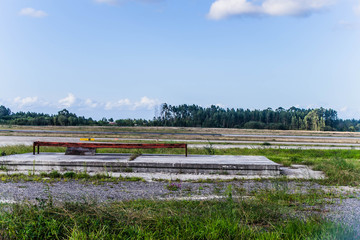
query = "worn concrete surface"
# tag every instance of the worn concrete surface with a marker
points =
(196, 164)
(152, 167)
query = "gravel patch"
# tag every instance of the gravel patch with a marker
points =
(108, 191)
(346, 211)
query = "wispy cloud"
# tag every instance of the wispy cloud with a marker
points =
(342, 24)
(75, 103)
(357, 8)
(118, 104)
(146, 102)
(31, 12)
(225, 8)
(90, 103)
(143, 103)
(68, 101)
(26, 101)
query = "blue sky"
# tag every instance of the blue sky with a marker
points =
(122, 58)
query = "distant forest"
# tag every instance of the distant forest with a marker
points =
(319, 119)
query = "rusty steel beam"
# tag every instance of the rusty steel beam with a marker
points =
(110, 145)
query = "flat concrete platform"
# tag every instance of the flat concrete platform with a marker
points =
(115, 163)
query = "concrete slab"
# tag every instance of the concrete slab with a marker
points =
(194, 164)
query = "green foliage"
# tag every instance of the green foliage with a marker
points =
(196, 116)
(339, 171)
(54, 174)
(70, 175)
(314, 121)
(209, 149)
(4, 112)
(214, 116)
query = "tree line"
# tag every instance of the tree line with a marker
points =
(319, 119)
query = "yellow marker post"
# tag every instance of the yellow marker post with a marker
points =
(87, 139)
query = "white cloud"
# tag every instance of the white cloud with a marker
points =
(225, 8)
(90, 103)
(68, 101)
(146, 102)
(118, 104)
(75, 103)
(26, 101)
(30, 12)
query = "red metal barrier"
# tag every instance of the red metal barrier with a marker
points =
(110, 145)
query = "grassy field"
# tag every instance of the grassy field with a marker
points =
(267, 214)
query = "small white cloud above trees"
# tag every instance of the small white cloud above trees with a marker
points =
(118, 104)
(143, 103)
(226, 8)
(26, 101)
(68, 101)
(31, 12)
(90, 103)
(146, 102)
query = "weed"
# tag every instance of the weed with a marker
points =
(69, 175)
(54, 174)
(173, 186)
(209, 150)
(128, 170)
(135, 155)
(83, 175)
(4, 168)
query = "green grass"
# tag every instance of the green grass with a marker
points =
(55, 176)
(267, 215)
(20, 149)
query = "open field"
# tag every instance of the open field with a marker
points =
(191, 135)
(191, 130)
(65, 206)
